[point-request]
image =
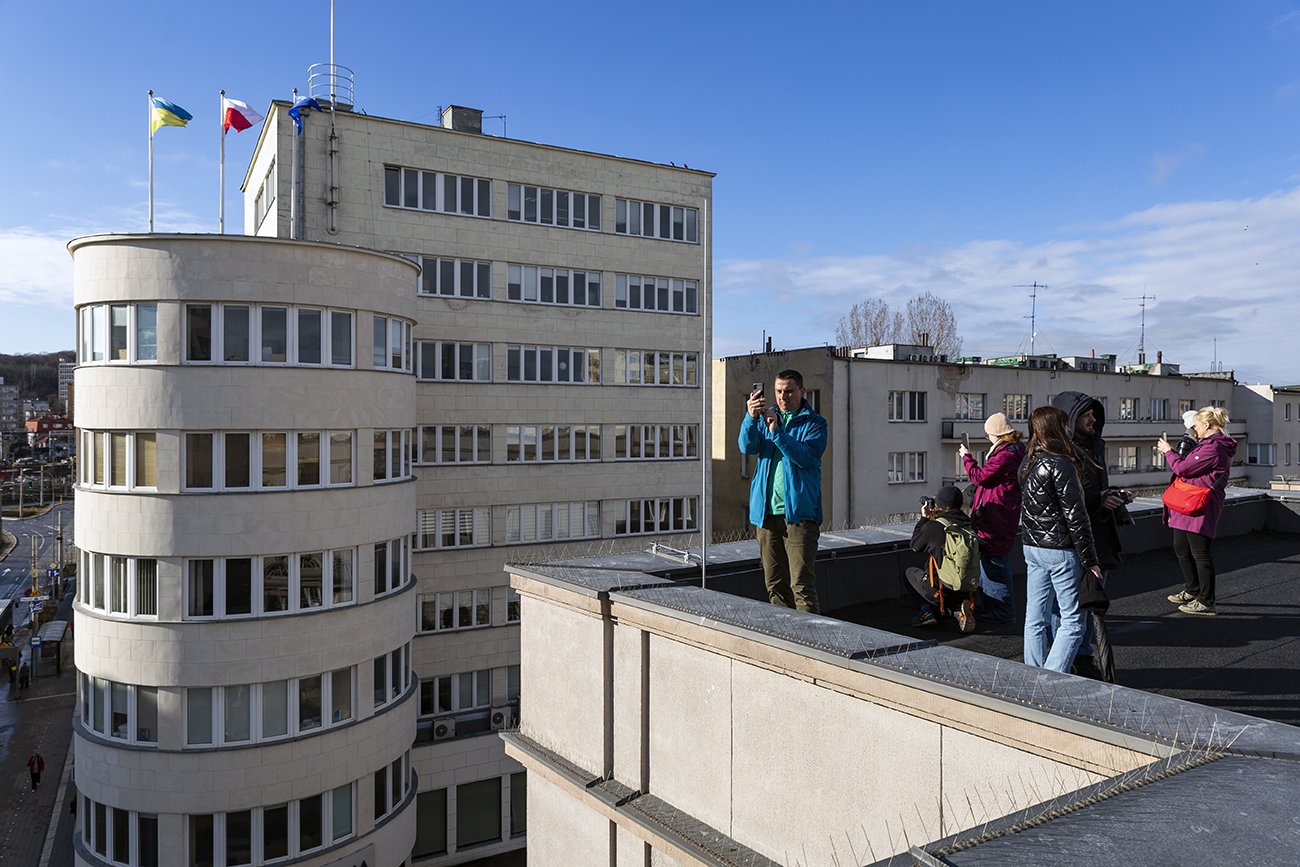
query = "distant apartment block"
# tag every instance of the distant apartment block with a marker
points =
(897, 415)
(10, 406)
(67, 369)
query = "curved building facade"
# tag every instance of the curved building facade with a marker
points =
(245, 508)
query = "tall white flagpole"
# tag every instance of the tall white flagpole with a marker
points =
(293, 174)
(149, 118)
(221, 172)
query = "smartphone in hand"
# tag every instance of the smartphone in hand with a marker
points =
(756, 389)
(965, 440)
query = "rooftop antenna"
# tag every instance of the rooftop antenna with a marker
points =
(1142, 335)
(1033, 309)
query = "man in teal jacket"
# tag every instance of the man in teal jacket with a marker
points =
(785, 495)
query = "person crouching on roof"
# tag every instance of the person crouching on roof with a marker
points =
(952, 576)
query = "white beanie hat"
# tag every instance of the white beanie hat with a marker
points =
(1189, 418)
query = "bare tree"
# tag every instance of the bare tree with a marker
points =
(869, 323)
(931, 321)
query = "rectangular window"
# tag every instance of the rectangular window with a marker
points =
(969, 406)
(648, 367)
(309, 703)
(198, 460)
(906, 467)
(146, 586)
(553, 286)
(239, 837)
(117, 709)
(308, 454)
(146, 332)
(662, 294)
(341, 812)
(430, 823)
(311, 580)
(275, 709)
(275, 468)
(236, 325)
(238, 460)
(341, 695)
(462, 609)
(146, 714)
(907, 406)
(340, 458)
(275, 832)
(1126, 457)
(552, 207)
(198, 332)
(340, 339)
(1261, 453)
(546, 522)
(413, 188)
(656, 221)
(201, 588)
(451, 444)
(1129, 409)
(552, 364)
(1017, 407)
(202, 846)
(439, 360)
(452, 528)
(662, 515)
(310, 339)
(461, 278)
(117, 586)
(198, 716)
(275, 335)
(275, 584)
(237, 707)
(342, 581)
(146, 835)
(478, 812)
(146, 460)
(1160, 409)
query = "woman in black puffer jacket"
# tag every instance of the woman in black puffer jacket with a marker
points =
(1058, 541)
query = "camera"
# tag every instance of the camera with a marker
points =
(1126, 496)
(928, 503)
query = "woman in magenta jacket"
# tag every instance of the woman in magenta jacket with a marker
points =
(1205, 466)
(996, 511)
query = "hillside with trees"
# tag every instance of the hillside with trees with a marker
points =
(36, 374)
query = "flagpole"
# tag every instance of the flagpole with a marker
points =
(221, 172)
(293, 176)
(149, 118)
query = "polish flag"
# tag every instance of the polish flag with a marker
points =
(237, 114)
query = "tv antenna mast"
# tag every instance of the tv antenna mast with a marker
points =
(1033, 309)
(1142, 335)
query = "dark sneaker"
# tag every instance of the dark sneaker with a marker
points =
(1196, 606)
(1085, 665)
(966, 616)
(925, 617)
(1182, 597)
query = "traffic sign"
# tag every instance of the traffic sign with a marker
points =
(36, 641)
(35, 600)
(53, 572)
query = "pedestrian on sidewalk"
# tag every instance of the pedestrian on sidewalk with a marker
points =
(35, 767)
(13, 680)
(24, 675)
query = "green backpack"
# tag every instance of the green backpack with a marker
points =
(960, 570)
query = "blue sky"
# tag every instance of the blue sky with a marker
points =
(863, 149)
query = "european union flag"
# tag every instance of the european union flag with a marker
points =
(295, 113)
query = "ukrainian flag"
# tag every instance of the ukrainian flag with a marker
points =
(167, 114)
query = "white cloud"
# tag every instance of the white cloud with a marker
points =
(1224, 269)
(38, 269)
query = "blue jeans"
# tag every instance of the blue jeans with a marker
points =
(1053, 578)
(996, 586)
(1085, 646)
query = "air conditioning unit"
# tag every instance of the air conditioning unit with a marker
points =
(502, 717)
(444, 729)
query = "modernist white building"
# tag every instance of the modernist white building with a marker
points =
(1272, 413)
(558, 338)
(897, 415)
(245, 503)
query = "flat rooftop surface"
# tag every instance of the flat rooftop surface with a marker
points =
(1246, 659)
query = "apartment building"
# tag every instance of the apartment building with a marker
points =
(1272, 414)
(557, 344)
(245, 502)
(67, 370)
(897, 415)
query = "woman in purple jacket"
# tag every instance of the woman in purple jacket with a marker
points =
(1205, 466)
(996, 512)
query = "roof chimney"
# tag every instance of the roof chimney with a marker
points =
(462, 119)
